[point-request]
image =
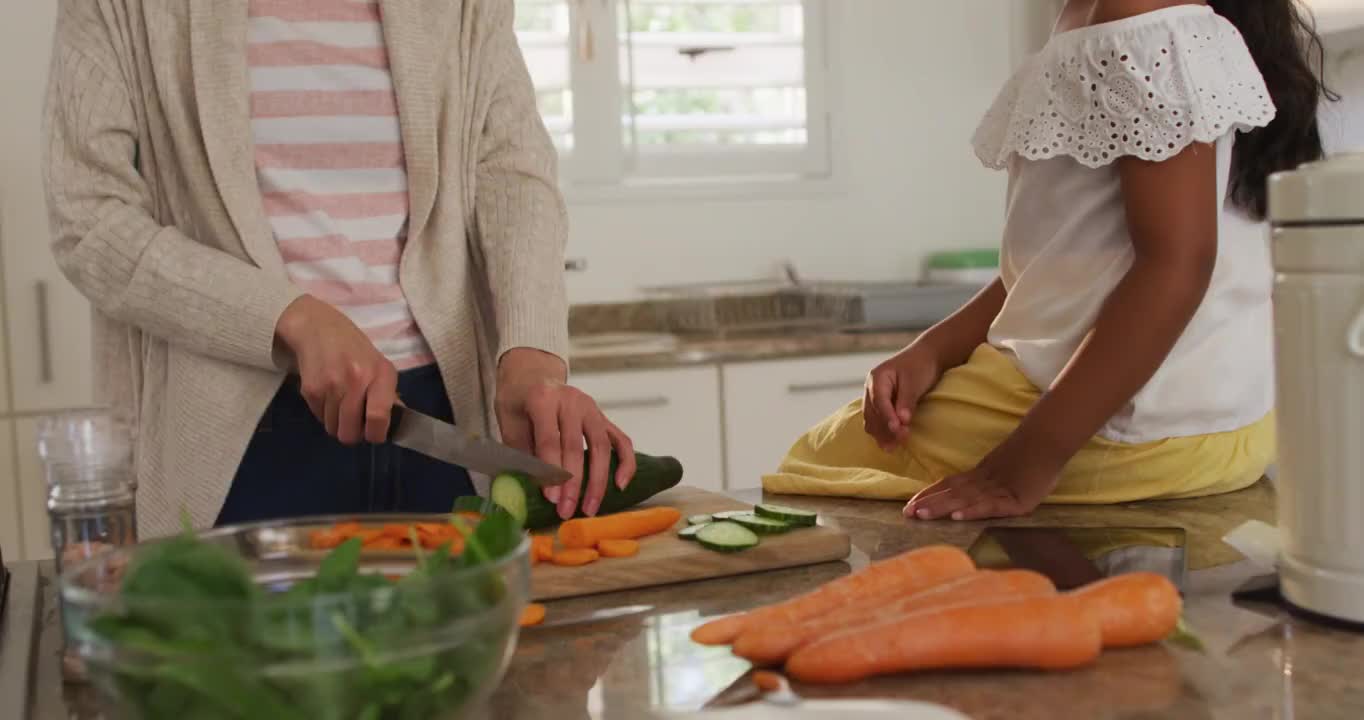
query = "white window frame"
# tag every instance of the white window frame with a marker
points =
(600, 162)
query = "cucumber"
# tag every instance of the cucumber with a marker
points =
(508, 493)
(689, 532)
(699, 519)
(653, 475)
(761, 525)
(790, 516)
(731, 514)
(726, 537)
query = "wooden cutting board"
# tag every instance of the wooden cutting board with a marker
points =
(666, 558)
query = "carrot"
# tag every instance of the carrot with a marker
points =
(767, 681)
(574, 557)
(586, 532)
(1049, 633)
(1133, 609)
(384, 542)
(325, 539)
(618, 548)
(533, 614)
(773, 643)
(397, 532)
(895, 577)
(542, 547)
(368, 536)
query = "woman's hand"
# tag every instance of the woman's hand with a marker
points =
(348, 384)
(1010, 482)
(894, 389)
(540, 413)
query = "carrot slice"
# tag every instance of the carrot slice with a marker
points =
(773, 643)
(587, 532)
(575, 557)
(397, 532)
(618, 548)
(1134, 608)
(1047, 633)
(533, 614)
(325, 539)
(368, 536)
(385, 542)
(542, 547)
(891, 578)
(348, 529)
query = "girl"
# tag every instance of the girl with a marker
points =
(1125, 351)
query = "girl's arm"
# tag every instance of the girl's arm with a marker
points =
(1172, 211)
(894, 387)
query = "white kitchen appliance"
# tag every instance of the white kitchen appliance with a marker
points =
(1317, 213)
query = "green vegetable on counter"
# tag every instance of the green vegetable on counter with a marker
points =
(196, 637)
(653, 475)
(699, 519)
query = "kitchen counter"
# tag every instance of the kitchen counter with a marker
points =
(1257, 660)
(740, 349)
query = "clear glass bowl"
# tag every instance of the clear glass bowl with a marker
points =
(358, 654)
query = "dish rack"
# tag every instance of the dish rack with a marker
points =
(748, 308)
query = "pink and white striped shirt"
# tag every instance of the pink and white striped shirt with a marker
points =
(329, 157)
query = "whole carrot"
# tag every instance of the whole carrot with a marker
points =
(1049, 633)
(1133, 609)
(587, 532)
(774, 643)
(892, 578)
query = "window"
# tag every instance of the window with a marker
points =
(679, 89)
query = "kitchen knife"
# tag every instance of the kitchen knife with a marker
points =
(447, 443)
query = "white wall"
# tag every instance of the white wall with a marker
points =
(909, 81)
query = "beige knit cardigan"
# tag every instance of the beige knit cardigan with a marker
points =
(157, 218)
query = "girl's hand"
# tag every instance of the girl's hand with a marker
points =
(1007, 483)
(893, 390)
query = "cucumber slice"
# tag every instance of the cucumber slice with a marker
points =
(790, 516)
(761, 525)
(699, 519)
(731, 514)
(689, 532)
(509, 494)
(726, 537)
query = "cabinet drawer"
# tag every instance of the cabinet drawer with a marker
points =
(768, 405)
(32, 491)
(11, 535)
(667, 412)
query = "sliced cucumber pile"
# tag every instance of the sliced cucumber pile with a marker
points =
(508, 493)
(725, 536)
(761, 525)
(790, 516)
(689, 532)
(720, 531)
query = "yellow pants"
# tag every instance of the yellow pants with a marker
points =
(972, 410)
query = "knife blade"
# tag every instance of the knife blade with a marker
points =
(445, 442)
(596, 617)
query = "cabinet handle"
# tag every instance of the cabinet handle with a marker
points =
(810, 388)
(44, 337)
(643, 403)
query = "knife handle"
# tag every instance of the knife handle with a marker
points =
(295, 383)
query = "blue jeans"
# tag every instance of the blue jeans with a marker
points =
(293, 468)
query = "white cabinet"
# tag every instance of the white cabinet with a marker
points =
(667, 412)
(37, 541)
(11, 533)
(768, 405)
(48, 321)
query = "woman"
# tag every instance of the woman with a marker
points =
(1125, 352)
(359, 192)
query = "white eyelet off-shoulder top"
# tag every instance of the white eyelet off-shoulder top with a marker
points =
(1146, 86)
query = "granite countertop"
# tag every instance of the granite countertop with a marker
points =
(1257, 662)
(739, 349)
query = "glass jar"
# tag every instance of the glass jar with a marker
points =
(87, 462)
